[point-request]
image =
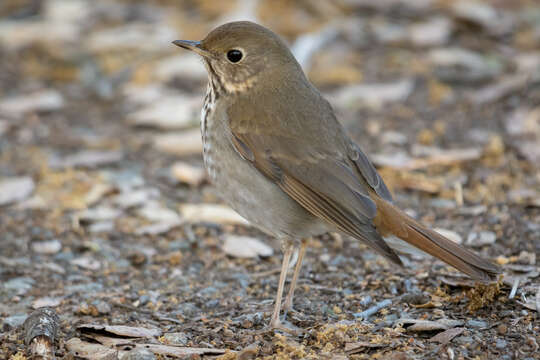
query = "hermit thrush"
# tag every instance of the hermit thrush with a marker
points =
(278, 156)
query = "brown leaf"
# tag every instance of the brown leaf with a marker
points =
(446, 336)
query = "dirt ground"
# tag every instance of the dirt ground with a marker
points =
(107, 218)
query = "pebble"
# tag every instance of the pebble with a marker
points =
(87, 159)
(47, 247)
(46, 302)
(482, 238)
(246, 247)
(139, 354)
(477, 323)
(101, 227)
(135, 198)
(181, 66)
(373, 95)
(211, 213)
(97, 214)
(87, 263)
(14, 321)
(436, 31)
(500, 344)
(169, 112)
(21, 285)
(452, 235)
(139, 36)
(102, 307)
(176, 338)
(462, 65)
(15, 189)
(187, 142)
(187, 173)
(155, 212)
(43, 100)
(502, 329)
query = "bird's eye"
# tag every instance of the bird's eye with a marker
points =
(234, 55)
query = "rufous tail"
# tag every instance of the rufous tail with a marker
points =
(391, 220)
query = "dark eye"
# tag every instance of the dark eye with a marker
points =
(234, 55)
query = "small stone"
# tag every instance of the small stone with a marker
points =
(176, 338)
(441, 203)
(44, 100)
(87, 263)
(462, 65)
(102, 307)
(15, 189)
(189, 174)
(102, 213)
(502, 329)
(181, 66)
(155, 212)
(47, 247)
(183, 143)
(168, 112)
(373, 95)
(211, 213)
(500, 344)
(21, 285)
(87, 159)
(130, 199)
(477, 323)
(101, 227)
(139, 354)
(46, 302)
(246, 247)
(482, 238)
(14, 321)
(435, 31)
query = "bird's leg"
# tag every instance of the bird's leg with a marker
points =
(274, 321)
(289, 299)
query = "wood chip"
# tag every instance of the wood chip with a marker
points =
(40, 329)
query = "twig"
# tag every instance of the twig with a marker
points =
(514, 289)
(40, 330)
(374, 309)
(155, 315)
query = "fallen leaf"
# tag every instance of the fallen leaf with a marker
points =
(428, 325)
(446, 336)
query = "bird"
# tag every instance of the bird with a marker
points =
(277, 154)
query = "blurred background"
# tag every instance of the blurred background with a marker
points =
(100, 169)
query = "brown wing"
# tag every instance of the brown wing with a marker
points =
(322, 183)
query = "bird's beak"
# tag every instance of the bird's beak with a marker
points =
(194, 46)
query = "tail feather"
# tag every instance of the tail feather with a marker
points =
(391, 220)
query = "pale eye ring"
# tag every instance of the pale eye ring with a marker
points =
(234, 55)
